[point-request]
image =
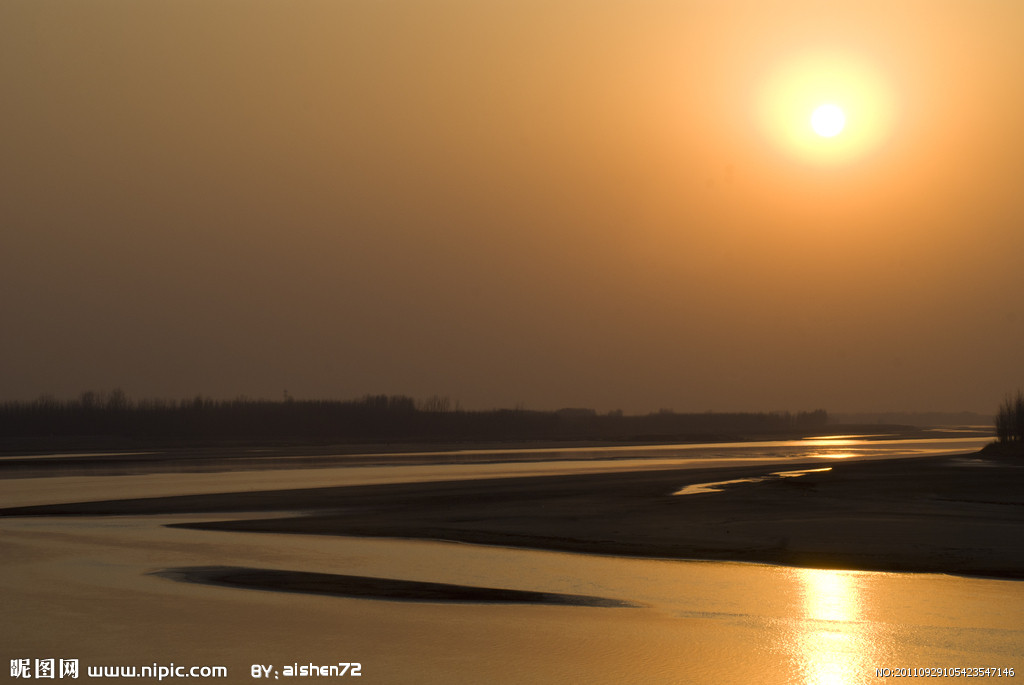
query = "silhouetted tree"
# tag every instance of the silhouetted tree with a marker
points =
(1010, 419)
(117, 400)
(436, 404)
(88, 399)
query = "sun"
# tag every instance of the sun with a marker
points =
(807, 107)
(828, 120)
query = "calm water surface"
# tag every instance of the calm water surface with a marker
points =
(80, 588)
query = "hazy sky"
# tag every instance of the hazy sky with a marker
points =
(603, 203)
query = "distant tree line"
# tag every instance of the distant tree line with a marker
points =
(1010, 419)
(383, 418)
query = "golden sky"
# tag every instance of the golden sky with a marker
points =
(602, 203)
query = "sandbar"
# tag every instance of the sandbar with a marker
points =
(959, 514)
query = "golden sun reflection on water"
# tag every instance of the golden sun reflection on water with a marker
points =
(829, 595)
(839, 441)
(836, 455)
(832, 646)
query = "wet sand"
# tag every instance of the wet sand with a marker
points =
(948, 514)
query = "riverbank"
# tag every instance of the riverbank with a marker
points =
(948, 514)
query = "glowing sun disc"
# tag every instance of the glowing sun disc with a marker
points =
(828, 120)
(839, 89)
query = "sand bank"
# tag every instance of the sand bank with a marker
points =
(367, 587)
(961, 514)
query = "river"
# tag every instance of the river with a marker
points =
(83, 588)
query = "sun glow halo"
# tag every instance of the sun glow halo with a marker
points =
(825, 109)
